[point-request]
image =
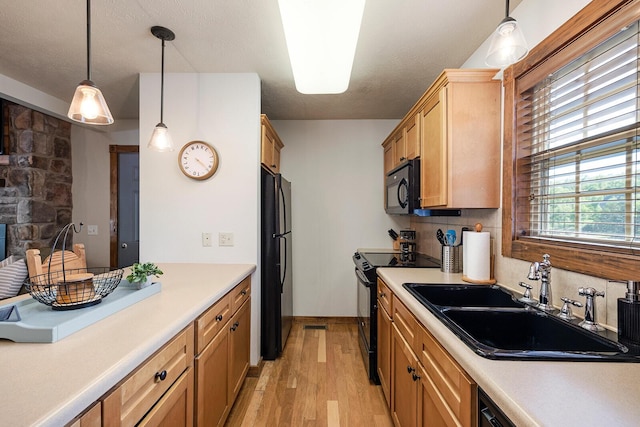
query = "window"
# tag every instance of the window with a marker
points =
(572, 155)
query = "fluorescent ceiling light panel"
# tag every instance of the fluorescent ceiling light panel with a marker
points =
(321, 37)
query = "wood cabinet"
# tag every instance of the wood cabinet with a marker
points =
(460, 141)
(384, 338)
(454, 128)
(222, 362)
(175, 408)
(91, 418)
(270, 145)
(142, 391)
(428, 387)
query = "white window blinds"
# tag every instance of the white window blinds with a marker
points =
(577, 156)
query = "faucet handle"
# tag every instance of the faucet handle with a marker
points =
(526, 298)
(589, 321)
(534, 271)
(565, 311)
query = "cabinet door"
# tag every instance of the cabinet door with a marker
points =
(384, 351)
(404, 382)
(91, 418)
(175, 408)
(430, 406)
(433, 163)
(239, 347)
(267, 147)
(412, 137)
(388, 157)
(212, 400)
(399, 148)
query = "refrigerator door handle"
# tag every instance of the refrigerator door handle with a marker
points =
(280, 236)
(284, 276)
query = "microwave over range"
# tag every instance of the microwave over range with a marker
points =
(403, 189)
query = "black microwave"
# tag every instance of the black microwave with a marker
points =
(402, 194)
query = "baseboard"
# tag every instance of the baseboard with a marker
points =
(255, 371)
(327, 320)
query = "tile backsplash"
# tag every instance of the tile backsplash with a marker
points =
(509, 272)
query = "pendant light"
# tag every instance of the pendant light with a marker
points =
(507, 43)
(88, 105)
(160, 138)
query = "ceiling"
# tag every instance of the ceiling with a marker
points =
(403, 46)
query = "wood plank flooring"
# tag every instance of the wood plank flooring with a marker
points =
(320, 380)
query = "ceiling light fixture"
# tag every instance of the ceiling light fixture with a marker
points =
(160, 138)
(321, 38)
(507, 43)
(88, 105)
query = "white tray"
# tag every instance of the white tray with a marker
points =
(31, 321)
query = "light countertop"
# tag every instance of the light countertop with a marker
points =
(50, 384)
(533, 393)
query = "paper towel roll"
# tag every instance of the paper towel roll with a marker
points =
(476, 256)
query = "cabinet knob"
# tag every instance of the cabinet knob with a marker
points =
(219, 317)
(161, 376)
(235, 326)
(382, 294)
(273, 166)
(415, 376)
(410, 369)
(244, 292)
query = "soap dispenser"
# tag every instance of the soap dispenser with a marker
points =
(629, 313)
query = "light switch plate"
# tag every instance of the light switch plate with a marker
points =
(206, 239)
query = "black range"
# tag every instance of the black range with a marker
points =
(366, 264)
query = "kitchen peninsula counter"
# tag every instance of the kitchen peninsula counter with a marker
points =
(533, 393)
(50, 384)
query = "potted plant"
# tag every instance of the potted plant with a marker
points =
(141, 274)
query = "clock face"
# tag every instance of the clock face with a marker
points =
(198, 160)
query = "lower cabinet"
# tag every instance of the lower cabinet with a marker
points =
(193, 378)
(222, 365)
(384, 350)
(427, 386)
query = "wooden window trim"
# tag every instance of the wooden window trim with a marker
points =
(595, 23)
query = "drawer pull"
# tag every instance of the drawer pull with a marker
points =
(415, 376)
(410, 369)
(219, 317)
(235, 326)
(244, 292)
(161, 376)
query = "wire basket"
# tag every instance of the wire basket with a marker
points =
(73, 288)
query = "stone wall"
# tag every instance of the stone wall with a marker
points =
(35, 201)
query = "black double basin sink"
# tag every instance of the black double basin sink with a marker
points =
(493, 323)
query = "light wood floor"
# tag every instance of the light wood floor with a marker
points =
(320, 380)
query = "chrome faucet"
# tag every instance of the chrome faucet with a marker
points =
(542, 271)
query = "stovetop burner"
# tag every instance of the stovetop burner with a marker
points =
(395, 259)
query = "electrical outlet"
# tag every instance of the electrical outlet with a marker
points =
(225, 239)
(206, 239)
(92, 230)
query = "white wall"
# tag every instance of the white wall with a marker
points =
(91, 187)
(223, 110)
(335, 168)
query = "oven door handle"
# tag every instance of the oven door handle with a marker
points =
(363, 278)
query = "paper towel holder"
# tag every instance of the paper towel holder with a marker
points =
(492, 280)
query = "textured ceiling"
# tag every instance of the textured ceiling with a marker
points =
(403, 46)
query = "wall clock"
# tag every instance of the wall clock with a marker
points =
(198, 160)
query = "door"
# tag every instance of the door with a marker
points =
(286, 259)
(125, 205)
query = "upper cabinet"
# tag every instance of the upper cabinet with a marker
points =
(455, 130)
(403, 144)
(270, 146)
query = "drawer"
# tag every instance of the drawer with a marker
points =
(175, 408)
(132, 399)
(405, 322)
(211, 322)
(455, 388)
(384, 296)
(240, 294)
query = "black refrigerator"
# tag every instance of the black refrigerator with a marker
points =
(276, 265)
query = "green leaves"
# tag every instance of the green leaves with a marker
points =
(139, 272)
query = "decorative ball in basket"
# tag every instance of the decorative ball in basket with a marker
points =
(63, 280)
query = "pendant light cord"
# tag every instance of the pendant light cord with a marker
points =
(506, 13)
(89, 40)
(162, 85)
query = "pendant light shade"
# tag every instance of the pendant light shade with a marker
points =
(160, 138)
(88, 105)
(507, 43)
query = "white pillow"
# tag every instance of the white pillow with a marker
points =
(12, 277)
(7, 261)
